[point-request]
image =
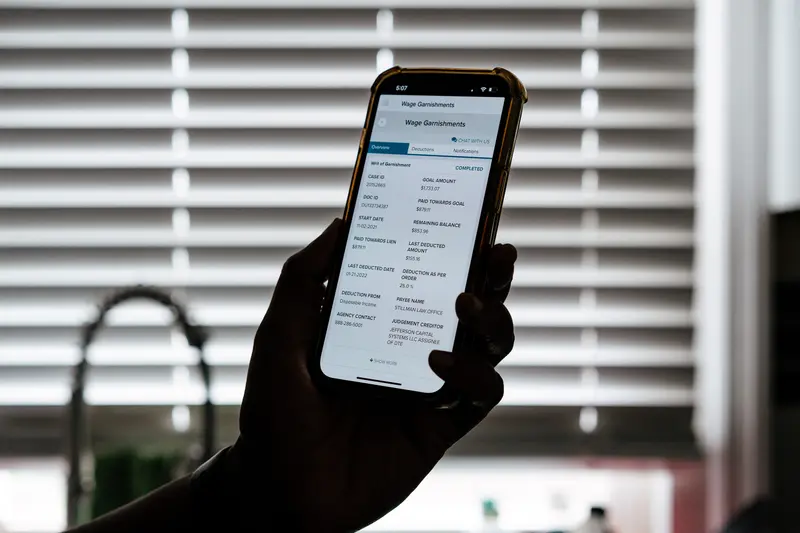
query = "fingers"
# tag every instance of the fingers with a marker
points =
(500, 271)
(469, 375)
(474, 380)
(490, 322)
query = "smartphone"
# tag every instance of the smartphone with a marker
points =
(421, 215)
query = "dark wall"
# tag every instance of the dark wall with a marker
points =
(785, 363)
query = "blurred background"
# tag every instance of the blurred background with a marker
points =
(194, 145)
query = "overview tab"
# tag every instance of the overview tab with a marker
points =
(388, 148)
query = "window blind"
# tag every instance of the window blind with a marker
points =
(195, 145)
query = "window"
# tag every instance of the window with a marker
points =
(145, 144)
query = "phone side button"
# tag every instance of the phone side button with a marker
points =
(495, 223)
(501, 192)
(361, 139)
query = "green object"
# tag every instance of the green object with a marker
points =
(490, 508)
(122, 476)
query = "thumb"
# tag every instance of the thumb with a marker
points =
(300, 288)
(277, 374)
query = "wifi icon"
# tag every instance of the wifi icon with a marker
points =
(483, 89)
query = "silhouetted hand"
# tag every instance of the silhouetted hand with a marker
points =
(335, 463)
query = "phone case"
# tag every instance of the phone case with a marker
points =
(492, 207)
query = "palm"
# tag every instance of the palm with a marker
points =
(366, 461)
(337, 456)
(341, 462)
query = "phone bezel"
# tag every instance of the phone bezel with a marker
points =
(427, 83)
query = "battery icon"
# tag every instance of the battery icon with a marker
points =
(492, 89)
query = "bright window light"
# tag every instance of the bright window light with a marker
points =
(32, 496)
(530, 495)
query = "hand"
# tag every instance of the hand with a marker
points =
(336, 463)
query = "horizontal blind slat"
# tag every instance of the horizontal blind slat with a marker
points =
(349, 4)
(346, 38)
(284, 197)
(320, 79)
(154, 354)
(154, 386)
(322, 158)
(44, 316)
(673, 239)
(298, 118)
(265, 277)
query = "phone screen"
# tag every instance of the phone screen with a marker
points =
(411, 240)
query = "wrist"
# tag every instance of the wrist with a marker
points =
(232, 490)
(213, 489)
